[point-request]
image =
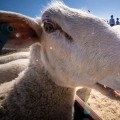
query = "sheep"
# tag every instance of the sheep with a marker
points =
(54, 92)
(11, 57)
(73, 49)
(10, 71)
(41, 91)
(12, 64)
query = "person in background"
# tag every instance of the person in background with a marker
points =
(117, 22)
(112, 21)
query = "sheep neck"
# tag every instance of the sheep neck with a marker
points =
(39, 98)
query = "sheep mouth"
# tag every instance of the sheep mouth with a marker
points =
(50, 27)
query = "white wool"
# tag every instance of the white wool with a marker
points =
(85, 50)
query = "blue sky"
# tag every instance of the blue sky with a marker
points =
(101, 8)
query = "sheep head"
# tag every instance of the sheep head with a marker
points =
(76, 46)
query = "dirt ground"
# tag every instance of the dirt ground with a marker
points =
(108, 108)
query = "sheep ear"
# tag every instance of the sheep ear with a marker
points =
(18, 31)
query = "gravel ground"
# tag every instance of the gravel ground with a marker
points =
(106, 106)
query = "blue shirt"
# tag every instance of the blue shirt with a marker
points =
(112, 21)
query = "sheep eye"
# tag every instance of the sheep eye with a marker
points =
(49, 27)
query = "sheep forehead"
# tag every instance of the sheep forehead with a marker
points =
(55, 7)
(65, 17)
(59, 5)
(68, 18)
(62, 9)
